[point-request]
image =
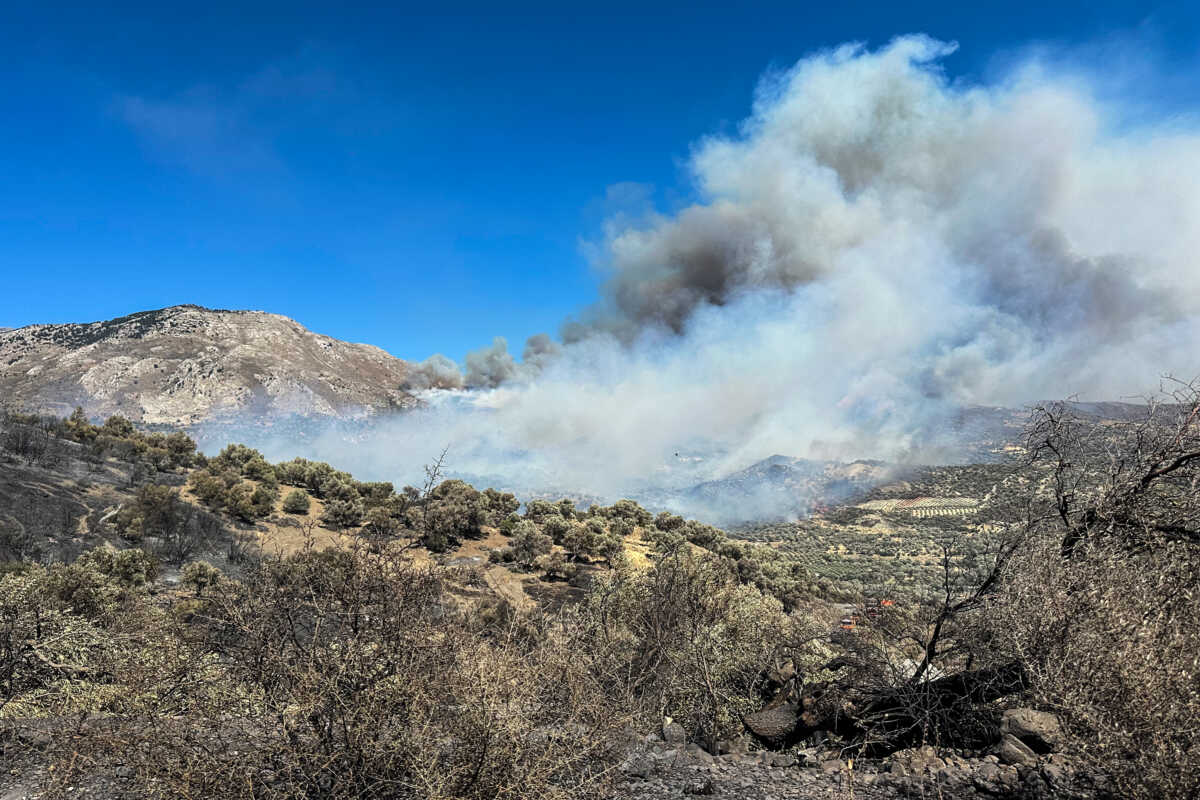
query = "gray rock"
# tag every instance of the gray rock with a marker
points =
(987, 775)
(916, 761)
(1012, 750)
(1009, 776)
(673, 733)
(782, 760)
(701, 786)
(1040, 730)
(35, 737)
(1057, 776)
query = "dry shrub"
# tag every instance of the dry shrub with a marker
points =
(685, 639)
(1103, 603)
(1111, 641)
(82, 638)
(357, 675)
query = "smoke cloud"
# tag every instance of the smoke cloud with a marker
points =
(876, 247)
(435, 372)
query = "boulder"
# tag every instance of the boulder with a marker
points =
(1012, 750)
(1040, 730)
(987, 777)
(673, 733)
(774, 726)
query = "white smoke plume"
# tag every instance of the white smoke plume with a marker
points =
(876, 246)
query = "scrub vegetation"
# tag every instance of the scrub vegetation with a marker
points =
(394, 661)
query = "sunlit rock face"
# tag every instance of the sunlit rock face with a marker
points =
(186, 364)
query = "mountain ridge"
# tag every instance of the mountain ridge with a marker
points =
(186, 364)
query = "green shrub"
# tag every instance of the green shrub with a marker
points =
(262, 500)
(666, 521)
(375, 494)
(528, 543)
(499, 505)
(200, 575)
(686, 639)
(343, 513)
(454, 510)
(209, 488)
(556, 527)
(292, 473)
(129, 568)
(538, 510)
(591, 540)
(296, 502)
(555, 565)
(379, 523)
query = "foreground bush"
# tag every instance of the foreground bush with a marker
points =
(352, 675)
(84, 638)
(1111, 642)
(688, 640)
(1102, 603)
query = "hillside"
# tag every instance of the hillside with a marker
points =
(161, 598)
(186, 364)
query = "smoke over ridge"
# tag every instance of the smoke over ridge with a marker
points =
(877, 245)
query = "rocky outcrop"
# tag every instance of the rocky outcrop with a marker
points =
(187, 364)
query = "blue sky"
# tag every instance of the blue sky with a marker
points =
(415, 179)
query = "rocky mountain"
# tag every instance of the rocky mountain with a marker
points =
(187, 364)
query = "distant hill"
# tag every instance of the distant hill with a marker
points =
(188, 364)
(779, 487)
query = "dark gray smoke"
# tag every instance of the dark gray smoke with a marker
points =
(435, 372)
(540, 350)
(490, 366)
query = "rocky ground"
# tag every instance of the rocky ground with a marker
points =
(667, 766)
(662, 770)
(667, 772)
